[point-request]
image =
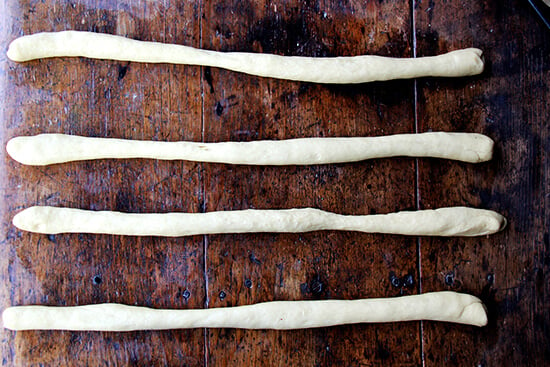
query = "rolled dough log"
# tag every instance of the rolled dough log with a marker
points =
(353, 69)
(453, 221)
(282, 315)
(58, 148)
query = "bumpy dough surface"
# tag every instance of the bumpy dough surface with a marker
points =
(453, 221)
(353, 69)
(47, 149)
(437, 306)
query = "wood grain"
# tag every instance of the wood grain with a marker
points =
(168, 102)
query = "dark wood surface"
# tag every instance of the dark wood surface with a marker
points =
(508, 102)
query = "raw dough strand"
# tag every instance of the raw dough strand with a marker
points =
(338, 70)
(453, 221)
(47, 149)
(281, 315)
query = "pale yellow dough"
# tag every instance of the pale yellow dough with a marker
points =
(58, 148)
(437, 306)
(347, 70)
(453, 221)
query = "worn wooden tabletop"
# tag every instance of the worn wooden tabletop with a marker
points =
(508, 102)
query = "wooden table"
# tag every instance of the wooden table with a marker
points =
(508, 102)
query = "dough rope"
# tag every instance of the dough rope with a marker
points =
(282, 315)
(47, 149)
(452, 221)
(338, 70)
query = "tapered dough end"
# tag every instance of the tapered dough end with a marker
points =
(466, 147)
(18, 149)
(456, 307)
(38, 150)
(37, 45)
(476, 60)
(33, 219)
(464, 62)
(16, 50)
(485, 147)
(474, 314)
(13, 147)
(465, 221)
(10, 318)
(494, 222)
(485, 222)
